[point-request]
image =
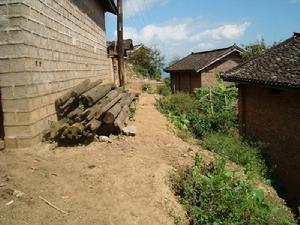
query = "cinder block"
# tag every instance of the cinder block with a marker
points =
(18, 131)
(28, 142)
(10, 143)
(18, 9)
(4, 65)
(3, 10)
(4, 38)
(17, 65)
(9, 119)
(16, 105)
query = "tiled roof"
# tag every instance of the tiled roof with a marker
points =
(278, 66)
(200, 60)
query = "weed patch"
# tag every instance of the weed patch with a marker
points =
(212, 194)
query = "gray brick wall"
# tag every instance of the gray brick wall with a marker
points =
(46, 48)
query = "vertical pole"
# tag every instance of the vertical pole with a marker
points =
(120, 44)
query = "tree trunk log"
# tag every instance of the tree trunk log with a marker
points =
(93, 125)
(76, 91)
(111, 115)
(100, 107)
(121, 119)
(92, 96)
(57, 129)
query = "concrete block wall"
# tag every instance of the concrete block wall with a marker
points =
(46, 48)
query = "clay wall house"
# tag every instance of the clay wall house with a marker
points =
(198, 69)
(269, 109)
(112, 51)
(46, 48)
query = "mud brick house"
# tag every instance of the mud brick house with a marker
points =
(269, 109)
(46, 48)
(112, 50)
(199, 69)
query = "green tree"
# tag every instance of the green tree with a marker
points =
(254, 49)
(148, 60)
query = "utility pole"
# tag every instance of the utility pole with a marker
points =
(120, 44)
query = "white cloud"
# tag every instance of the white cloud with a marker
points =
(205, 46)
(136, 7)
(225, 32)
(180, 37)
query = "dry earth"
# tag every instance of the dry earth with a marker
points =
(120, 183)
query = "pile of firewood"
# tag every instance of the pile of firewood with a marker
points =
(90, 109)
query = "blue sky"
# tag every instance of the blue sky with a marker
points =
(178, 27)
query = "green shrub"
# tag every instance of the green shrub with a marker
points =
(179, 103)
(147, 87)
(140, 70)
(167, 81)
(241, 152)
(218, 98)
(217, 122)
(164, 90)
(213, 195)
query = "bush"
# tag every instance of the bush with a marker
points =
(140, 70)
(216, 99)
(147, 87)
(167, 81)
(179, 103)
(217, 122)
(164, 90)
(213, 195)
(239, 151)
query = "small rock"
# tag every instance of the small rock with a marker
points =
(190, 149)
(9, 203)
(2, 184)
(18, 194)
(91, 166)
(129, 131)
(184, 155)
(103, 139)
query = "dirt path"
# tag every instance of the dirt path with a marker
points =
(118, 183)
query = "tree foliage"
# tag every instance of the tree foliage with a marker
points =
(254, 49)
(148, 62)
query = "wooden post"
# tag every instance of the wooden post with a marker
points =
(211, 101)
(120, 44)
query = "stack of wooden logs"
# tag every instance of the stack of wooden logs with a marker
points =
(89, 109)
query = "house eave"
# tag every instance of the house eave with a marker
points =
(218, 59)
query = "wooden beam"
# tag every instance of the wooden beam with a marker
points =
(120, 44)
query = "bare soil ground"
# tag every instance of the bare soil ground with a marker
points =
(120, 183)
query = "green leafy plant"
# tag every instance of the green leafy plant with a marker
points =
(147, 87)
(218, 98)
(164, 90)
(132, 110)
(213, 194)
(244, 153)
(139, 70)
